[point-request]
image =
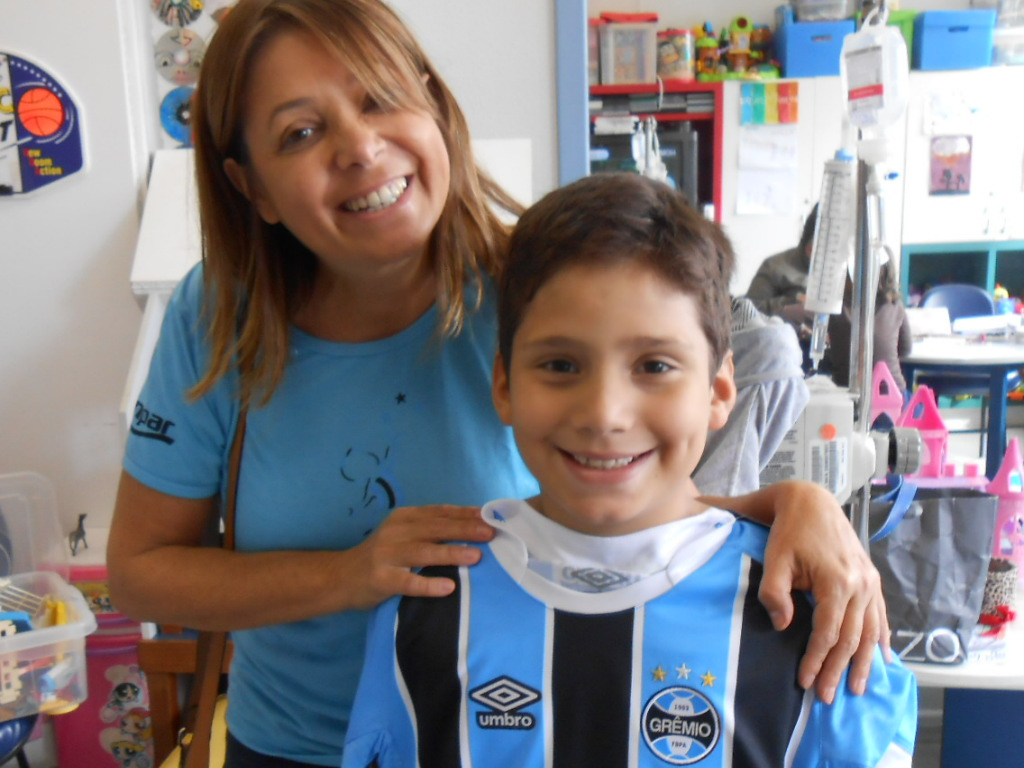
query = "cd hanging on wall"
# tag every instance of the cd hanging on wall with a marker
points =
(176, 114)
(177, 13)
(178, 55)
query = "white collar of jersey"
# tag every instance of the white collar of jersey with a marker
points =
(596, 574)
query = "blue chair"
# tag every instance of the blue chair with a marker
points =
(963, 300)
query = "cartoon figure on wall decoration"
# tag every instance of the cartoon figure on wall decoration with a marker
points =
(178, 13)
(40, 129)
(179, 53)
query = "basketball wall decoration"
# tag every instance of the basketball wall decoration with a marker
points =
(41, 112)
(40, 128)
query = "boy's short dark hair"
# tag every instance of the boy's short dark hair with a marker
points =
(610, 218)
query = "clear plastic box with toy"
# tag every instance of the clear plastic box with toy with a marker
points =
(43, 620)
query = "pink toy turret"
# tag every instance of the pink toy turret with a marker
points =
(886, 396)
(922, 414)
(1008, 485)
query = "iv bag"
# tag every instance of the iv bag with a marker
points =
(874, 73)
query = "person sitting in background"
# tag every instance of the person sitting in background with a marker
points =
(770, 396)
(892, 336)
(780, 285)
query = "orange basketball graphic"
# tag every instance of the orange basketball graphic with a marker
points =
(41, 112)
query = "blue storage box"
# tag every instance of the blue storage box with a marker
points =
(953, 39)
(809, 48)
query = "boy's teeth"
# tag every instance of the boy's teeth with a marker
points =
(380, 198)
(604, 463)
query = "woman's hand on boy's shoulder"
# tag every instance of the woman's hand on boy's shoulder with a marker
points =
(813, 547)
(411, 538)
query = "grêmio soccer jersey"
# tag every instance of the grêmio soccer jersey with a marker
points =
(646, 650)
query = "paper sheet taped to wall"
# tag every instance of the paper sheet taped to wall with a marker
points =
(769, 156)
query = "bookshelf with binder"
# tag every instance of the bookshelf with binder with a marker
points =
(689, 117)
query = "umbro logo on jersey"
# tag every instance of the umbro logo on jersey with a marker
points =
(148, 424)
(504, 697)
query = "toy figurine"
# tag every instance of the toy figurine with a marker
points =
(708, 53)
(761, 44)
(738, 53)
(77, 537)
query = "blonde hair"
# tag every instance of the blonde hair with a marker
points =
(257, 275)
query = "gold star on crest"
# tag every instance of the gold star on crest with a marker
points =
(683, 672)
(659, 674)
(708, 679)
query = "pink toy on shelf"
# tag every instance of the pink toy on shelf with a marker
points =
(922, 413)
(886, 396)
(1008, 485)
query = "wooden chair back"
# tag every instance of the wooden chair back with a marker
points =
(165, 662)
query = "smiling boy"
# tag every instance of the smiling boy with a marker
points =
(614, 619)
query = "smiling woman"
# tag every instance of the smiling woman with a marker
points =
(360, 182)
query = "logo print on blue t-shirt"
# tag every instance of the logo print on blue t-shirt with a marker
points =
(147, 424)
(370, 488)
(681, 726)
(504, 696)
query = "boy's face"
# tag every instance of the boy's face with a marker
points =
(610, 396)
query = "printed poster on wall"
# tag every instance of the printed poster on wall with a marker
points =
(769, 154)
(40, 128)
(950, 165)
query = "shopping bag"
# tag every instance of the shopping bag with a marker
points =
(934, 565)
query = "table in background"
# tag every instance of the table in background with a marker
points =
(983, 710)
(956, 355)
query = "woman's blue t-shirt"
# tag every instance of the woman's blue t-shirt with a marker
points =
(353, 431)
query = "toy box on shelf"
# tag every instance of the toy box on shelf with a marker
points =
(822, 10)
(628, 44)
(43, 619)
(1008, 45)
(809, 48)
(953, 39)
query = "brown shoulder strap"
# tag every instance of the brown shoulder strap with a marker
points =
(212, 646)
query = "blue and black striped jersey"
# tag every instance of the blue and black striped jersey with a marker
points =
(678, 665)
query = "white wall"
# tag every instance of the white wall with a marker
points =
(68, 320)
(498, 56)
(67, 315)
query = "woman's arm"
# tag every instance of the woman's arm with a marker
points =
(158, 571)
(813, 547)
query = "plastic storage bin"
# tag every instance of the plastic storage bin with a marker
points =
(953, 39)
(42, 669)
(811, 48)
(30, 536)
(112, 727)
(822, 10)
(628, 53)
(1009, 13)
(1008, 45)
(593, 52)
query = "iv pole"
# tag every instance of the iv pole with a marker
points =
(869, 234)
(865, 277)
